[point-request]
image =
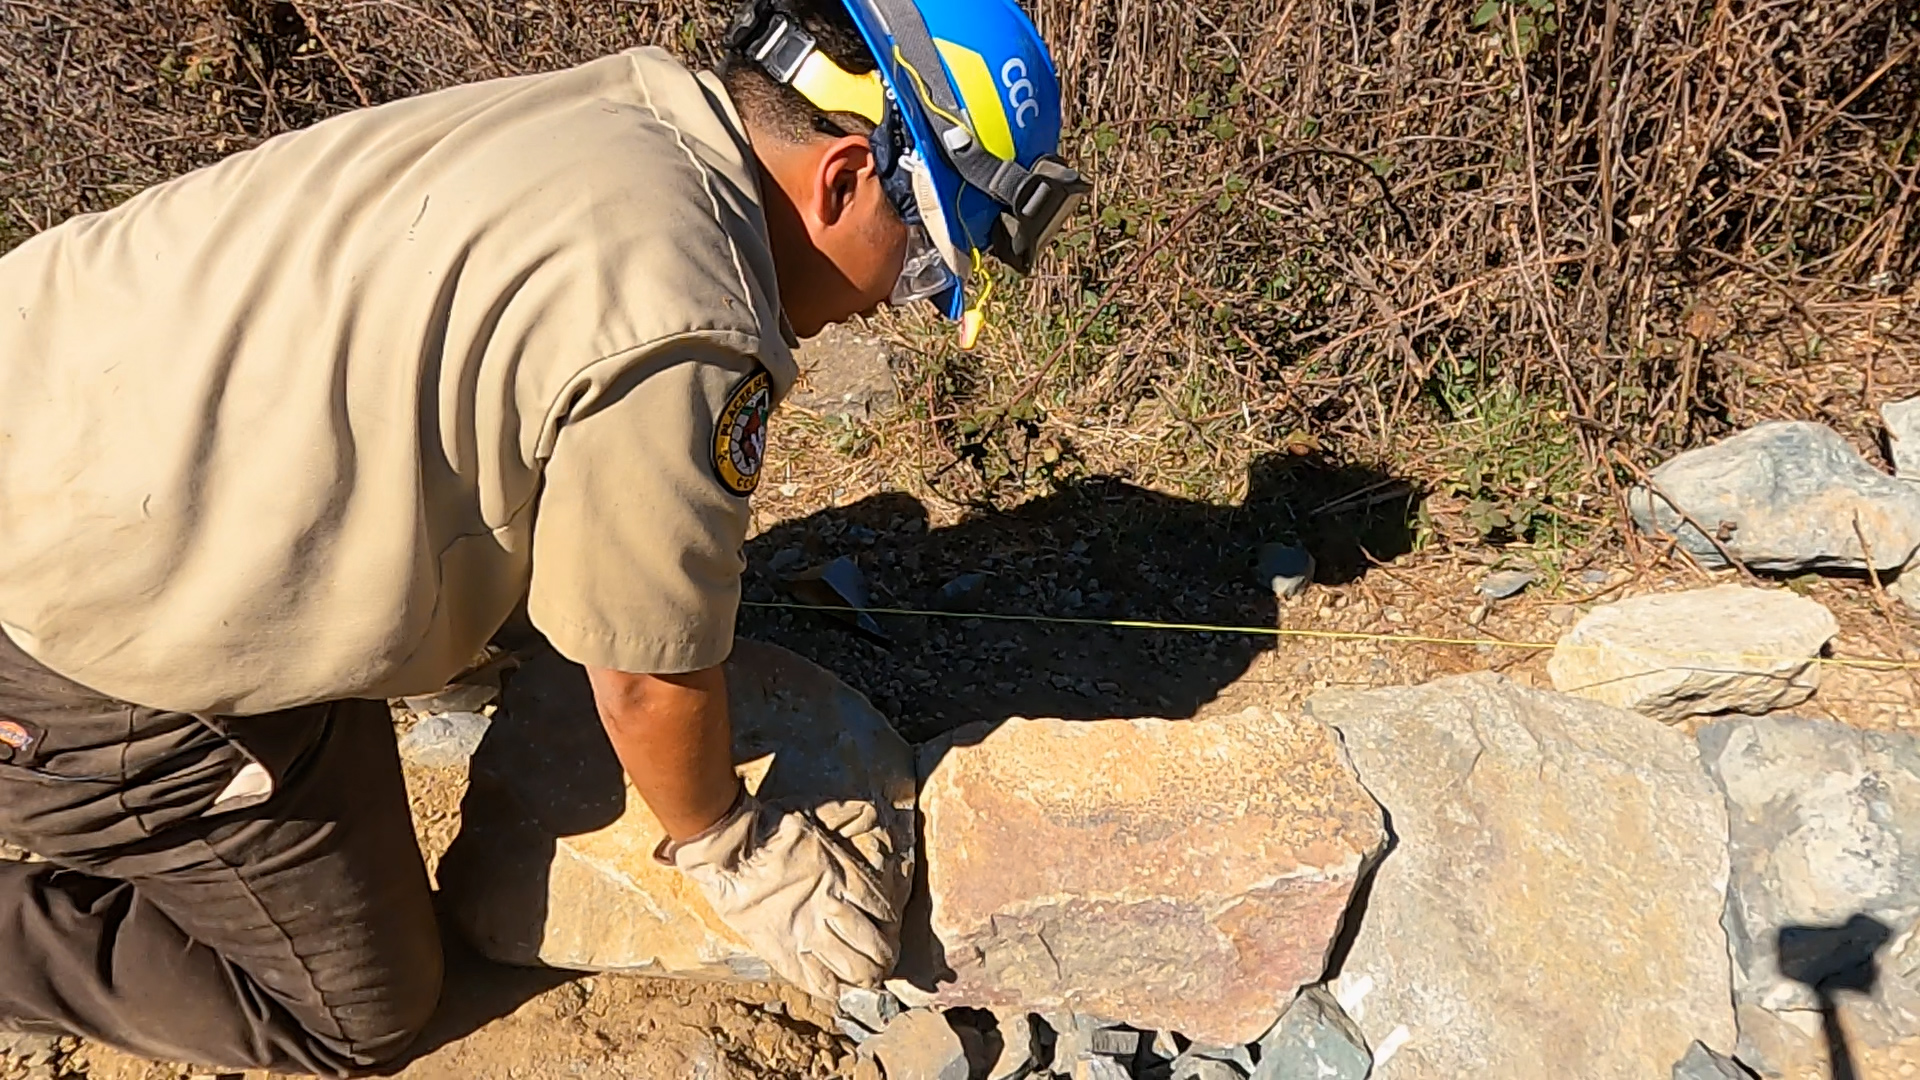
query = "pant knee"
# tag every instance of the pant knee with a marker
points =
(389, 1031)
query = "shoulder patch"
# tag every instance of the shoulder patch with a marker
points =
(740, 434)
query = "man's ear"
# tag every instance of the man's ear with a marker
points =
(842, 165)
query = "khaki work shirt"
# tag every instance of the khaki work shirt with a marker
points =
(313, 422)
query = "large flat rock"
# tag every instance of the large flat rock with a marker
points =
(1673, 655)
(1551, 903)
(1183, 875)
(1825, 831)
(1787, 496)
(554, 864)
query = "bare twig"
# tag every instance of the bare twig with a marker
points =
(1726, 553)
(313, 27)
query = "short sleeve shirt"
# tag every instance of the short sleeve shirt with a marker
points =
(313, 422)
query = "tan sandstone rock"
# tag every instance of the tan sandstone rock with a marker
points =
(1673, 655)
(1183, 875)
(554, 864)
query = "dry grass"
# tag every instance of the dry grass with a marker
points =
(1469, 241)
(1484, 244)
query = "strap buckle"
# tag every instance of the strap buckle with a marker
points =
(772, 39)
(1047, 196)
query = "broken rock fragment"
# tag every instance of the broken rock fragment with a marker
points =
(1673, 655)
(554, 863)
(1099, 1068)
(864, 1013)
(1188, 875)
(920, 1045)
(1506, 584)
(1702, 1063)
(1195, 1068)
(1286, 568)
(1551, 906)
(443, 740)
(1907, 589)
(1903, 436)
(1315, 1039)
(1019, 1053)
(1239, 1058)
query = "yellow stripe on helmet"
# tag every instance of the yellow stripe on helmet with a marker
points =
(973, 79)
(833, 89)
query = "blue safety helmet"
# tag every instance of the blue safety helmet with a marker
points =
(966, 108)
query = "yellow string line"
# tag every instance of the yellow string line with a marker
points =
(1865, 663)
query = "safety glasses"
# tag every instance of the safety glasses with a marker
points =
(925, 275)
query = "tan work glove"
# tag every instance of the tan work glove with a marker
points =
(790, 884)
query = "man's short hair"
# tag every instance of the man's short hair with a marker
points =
(781, 110)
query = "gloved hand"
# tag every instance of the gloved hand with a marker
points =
(791, 885)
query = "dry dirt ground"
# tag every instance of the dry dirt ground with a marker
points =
(1099, 550)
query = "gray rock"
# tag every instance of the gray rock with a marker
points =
(1079, 1035)
(1824, 824)
(871, 1009)
(919, 1045)
(1199, 1068)
(1165, 1046)
(1550, 906)
(1673, 655)
(1019, 1048)
(1314, 1039)
(1100, 1068)
(963, 592)
(444, 741)
(1903, 436)
(1241, 1057)
(1594, 577)
(1505, 584)
(856, 1032)
(1906, 589)
(841, 587)
(458, 698)
(1114, 1042)
(784, 560)
(1703, 1064)
(1786, 495)
(844, 372)
(28, 1046)
(1286, 568)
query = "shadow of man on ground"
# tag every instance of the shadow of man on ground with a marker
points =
(1100, 549)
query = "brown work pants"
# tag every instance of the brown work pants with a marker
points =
(288, 927)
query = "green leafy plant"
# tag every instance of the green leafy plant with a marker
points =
(1531, 21)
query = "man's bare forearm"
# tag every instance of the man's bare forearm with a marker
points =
(672, 736)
